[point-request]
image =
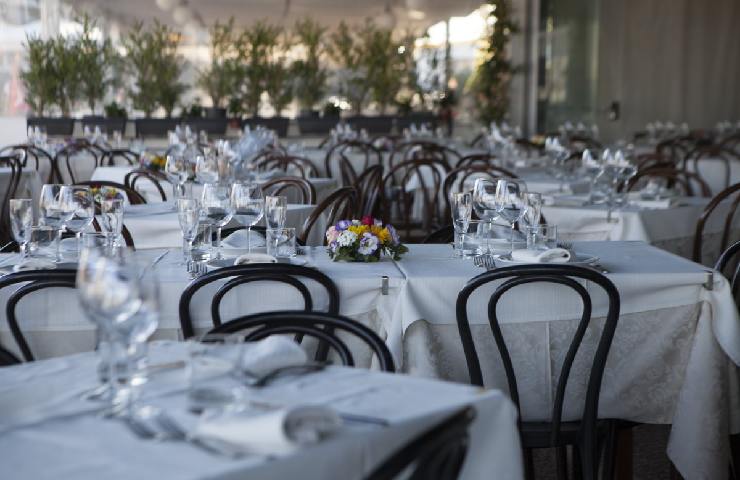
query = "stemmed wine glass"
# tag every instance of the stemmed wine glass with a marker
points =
(21, 221)
(217, 209)
(248, 204)
(462, 208)
(206, 168)
(534, 208)
(511, 203)
(188, 213)
(276, 210)
(484, 205)
(84, 213)
(177, 172)
(56, 208)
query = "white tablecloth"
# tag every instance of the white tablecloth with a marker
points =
(324, 186)
(86, 446)
(162, 229)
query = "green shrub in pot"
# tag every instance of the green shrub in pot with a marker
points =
(308, 73)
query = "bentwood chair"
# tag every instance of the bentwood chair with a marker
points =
(7, 359)
(286, 274)
(324, 327)
(33, 281)
(729, 259)
(589, 435)
(423, 150)
(132, 178)
(115, 156)
(686, 181)
(729, 195)
(14, 163)
(368, 186)
(700, 155)
(443, 235)
(78, 153)
(339, 166)
(278, 160)
(304, 190)
(437, 454)
(40, 158)
(341, 204)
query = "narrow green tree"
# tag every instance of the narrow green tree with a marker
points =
(219, 79)
(308, 73)
(257, 44)
(96, 59)
(38, 78)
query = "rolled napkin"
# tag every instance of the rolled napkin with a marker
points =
(552, 255)
(277, 432)
(254, 258)
(238, 240)
(262, 357)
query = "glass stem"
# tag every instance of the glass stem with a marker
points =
(249, 239)
(218, 242)
(513, 226)
(58, 246)
(78, 238)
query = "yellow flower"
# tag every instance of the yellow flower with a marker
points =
(382, 233)
(358, 229)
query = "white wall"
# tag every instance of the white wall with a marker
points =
(12, 130)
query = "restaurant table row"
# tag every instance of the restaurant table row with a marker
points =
(674, 357)
(48, 431)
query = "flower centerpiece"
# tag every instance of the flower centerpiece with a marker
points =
(153, 161)
(102, 193)
(363, 240)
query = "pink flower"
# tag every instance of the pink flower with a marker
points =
(367, 220)
(332, 234)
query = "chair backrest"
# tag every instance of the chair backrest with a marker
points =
(675, 149)
(341, 204)
(7, 359)
(109, 157)
(423, 149)
(437, 454)
(700, 155)
(279, 160)
(38, 156)
(443, 235)
(567, 276)
(321, 326)
(34, 280)
(285, 274)
(14, 163)
(369, 185)
(75, 153)
(132, 178)
(483, 159)
(306, 190)
(338, 165)
(728, 259)
(721, 197)
(687, 181)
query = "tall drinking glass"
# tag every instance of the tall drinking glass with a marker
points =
(276, 210)
(217, 209)
(188, 213)
(462, 208)
(206, 168)
(84, 213)
(111, 216)
(21, 221)
(511, 203)
(248, 204)
(484, 203)
(56, 208)
(534, 208)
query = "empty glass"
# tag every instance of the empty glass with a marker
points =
(462, 208)
(177, 172)
(111, 220)
(248, 204)
(206, 168)
(276, 210)
(56, 208)
(511, 203)
(188, 213)
(534, 208)
(84, 213)
(281, 242)
(216, 209)
(542, 237)
(201, 247)
(42, 242)
(211, 357)
(21, 221)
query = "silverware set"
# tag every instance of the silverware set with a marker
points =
(484, 261)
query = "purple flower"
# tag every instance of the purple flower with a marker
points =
(368, 244)
(394, 234)
(333, 246)
(343, 225)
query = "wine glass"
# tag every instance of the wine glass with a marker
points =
(56, 208)
(21, 221)
(217, 209)
(84, 213)
(177, 172)
(276, 210)
(511, 203)
(111, 216)
(248, 204)
(462, 208)
(534, 208)
(206, 168)
(484, 203)
(188, 213)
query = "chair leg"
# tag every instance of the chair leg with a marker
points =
(561, 463)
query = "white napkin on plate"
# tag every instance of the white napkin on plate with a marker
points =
(238, 240)
(552, 255)
(277, 432)
(264, 356)
(254, 257)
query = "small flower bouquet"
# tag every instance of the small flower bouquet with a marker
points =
(363, 241)
(105, 193)
(153, 162)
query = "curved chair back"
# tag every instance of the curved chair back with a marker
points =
(482, 159)
(109, 157)
(285, 274)
(369, 185)
(14, 163)
(423, 150)
(76, 153)
(132, 178)
(276, 159)
(324, 327)
(700, 155)
(37, 156)
(565, 275)
(728, 259)
(34, 280)
(338, 165)
(341, 204)
(437, 454)
(718, 199)
(306, 192)
(7, 359)
(687, 181)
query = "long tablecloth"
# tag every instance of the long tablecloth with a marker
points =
(66, 439)
(673, 360)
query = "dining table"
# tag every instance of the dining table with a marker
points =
(49, 430)
(674, 356)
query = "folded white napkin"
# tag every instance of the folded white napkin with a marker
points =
(262, 357)
(278, 432)
(34, 264)
(553, 255)
(238, 240)
(254, 258)
(658, 204)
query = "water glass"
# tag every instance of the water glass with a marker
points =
(201, 248)
(248, 204)
(542, 237)
(111, 216)
(533, 213)
(462, 208)
(188, 214)
(42, 242)
(56, 208)
(511, 203)
(276, 210)
(84, 212)
(211, 358)
(206, 168)
(281, 242)
(21, 221)
(216, 209)
(176, 169)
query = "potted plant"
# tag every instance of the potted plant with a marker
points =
(193, 116)
(346, 49)
(153, 62)
(279, 87)
(219, 79)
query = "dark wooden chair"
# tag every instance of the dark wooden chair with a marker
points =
(369, 185)
(305, 190)
(286, 274)
(341, 204)
(729, 259)
(686, 181)
(588, 434)
(726, 195)
(277, 160)
(110, 157)
(321, 326)
(443, 235)
(700, 155)
(132, 178)
(437, 454)
(14, 163)
(7, 359)
(38, 156)
(423, 150)
(337, 165)
(76, 153)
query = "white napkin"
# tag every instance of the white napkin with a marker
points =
(278, 432)
(34, 264)
(262, 357)
(238, 240)
(553, 255)
(254, 258)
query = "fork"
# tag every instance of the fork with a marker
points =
(565, 245)
(485, 261)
